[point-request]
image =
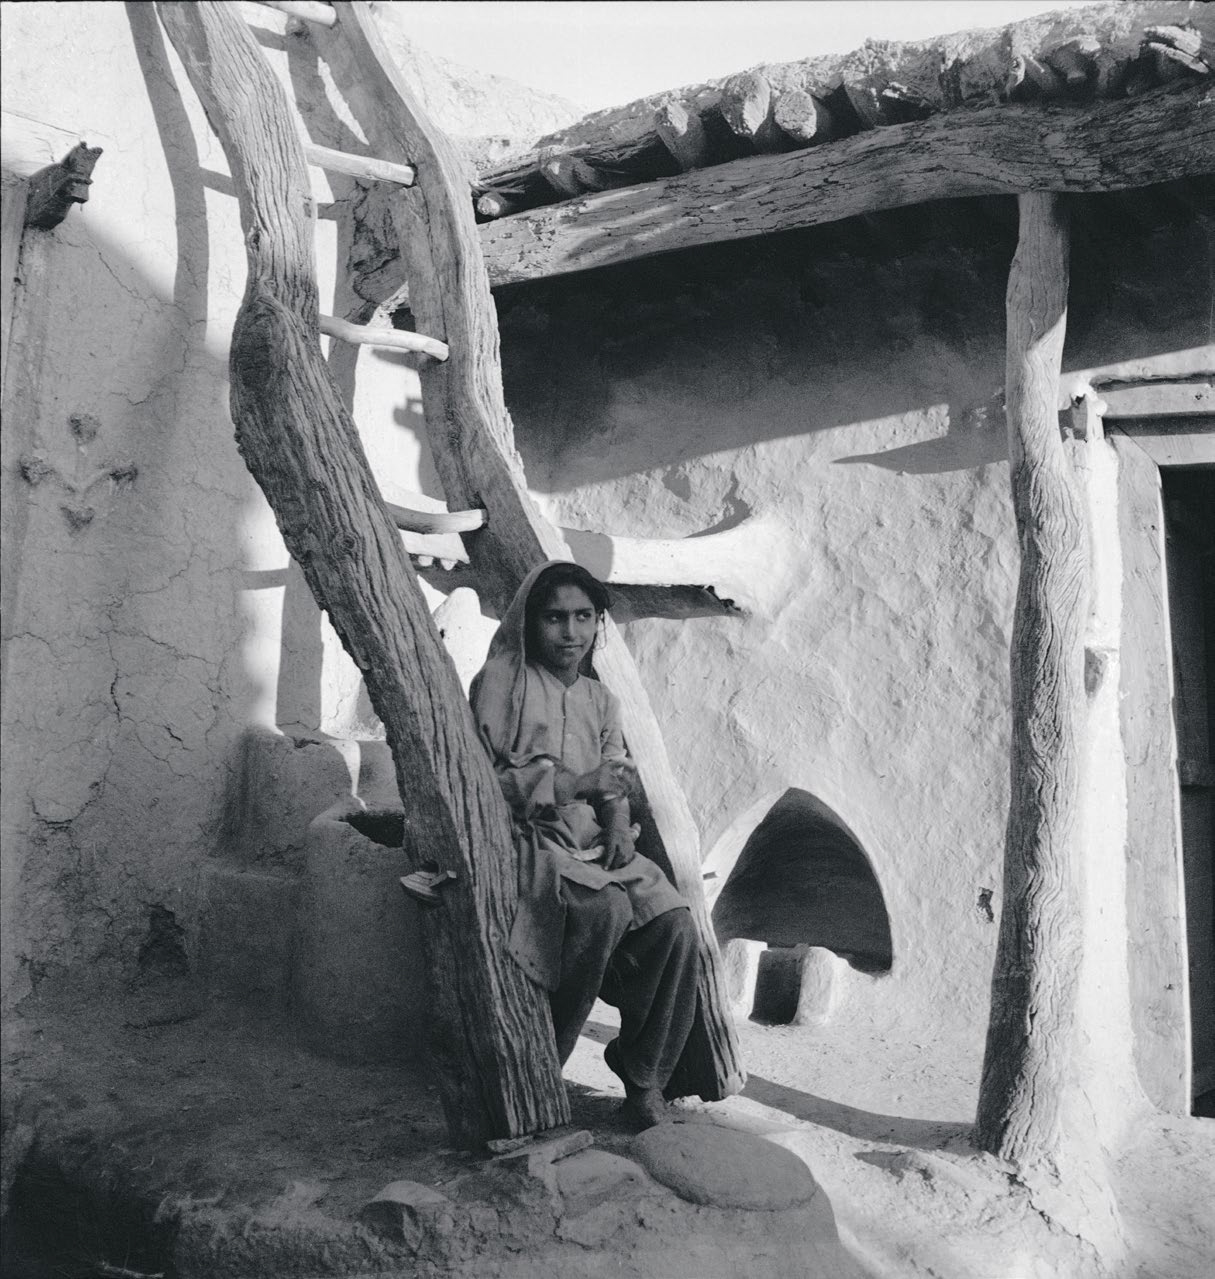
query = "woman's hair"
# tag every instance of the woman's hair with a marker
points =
(546, 585)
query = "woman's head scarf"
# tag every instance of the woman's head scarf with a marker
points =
(497, 689)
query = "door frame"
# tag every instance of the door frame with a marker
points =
(1157, 954)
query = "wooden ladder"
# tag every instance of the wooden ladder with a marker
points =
(337, 527)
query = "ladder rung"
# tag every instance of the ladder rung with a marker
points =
(359, 166)
(308, 10)
(396, 339)
(411, 521)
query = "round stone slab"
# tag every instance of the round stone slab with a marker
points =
(707, 1164)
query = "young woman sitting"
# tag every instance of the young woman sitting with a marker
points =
(595, 917)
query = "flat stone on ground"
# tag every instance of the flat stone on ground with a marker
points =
(705, 1163)
(399, 1208)
(592, 1176)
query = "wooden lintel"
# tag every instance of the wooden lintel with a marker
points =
(1007, 149)
(1190, 364)
(1172, 444)
(306, 10)
(391, 339)
(1163, 399)
(359, 166)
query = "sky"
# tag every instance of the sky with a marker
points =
(601, 53)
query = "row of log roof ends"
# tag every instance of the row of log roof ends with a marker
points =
(1076, 56)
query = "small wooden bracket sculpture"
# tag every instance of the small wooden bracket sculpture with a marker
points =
(53, 190)
(1087, 410)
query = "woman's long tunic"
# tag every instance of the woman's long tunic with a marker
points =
(575, 728)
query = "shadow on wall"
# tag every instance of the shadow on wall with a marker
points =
(119, 522)
(647, 364)
(802, 879)
(300, 695)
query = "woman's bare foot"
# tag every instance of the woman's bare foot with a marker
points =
(644, 1106)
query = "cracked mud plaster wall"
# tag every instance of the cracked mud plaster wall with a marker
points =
(141, 613)
(847, 379)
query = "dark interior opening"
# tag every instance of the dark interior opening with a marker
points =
(802, 879)
(382, 825)
(1189, 509)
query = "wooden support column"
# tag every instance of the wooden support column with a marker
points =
(472, 442)
(491, 1039)
(1034, 985)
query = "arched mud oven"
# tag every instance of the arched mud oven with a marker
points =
(800, 900)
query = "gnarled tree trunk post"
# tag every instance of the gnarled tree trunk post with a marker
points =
(491, 1040)
(1034, 985)
(472, 442)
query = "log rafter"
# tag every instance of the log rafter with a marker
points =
(1008, 149)
(1073, 56)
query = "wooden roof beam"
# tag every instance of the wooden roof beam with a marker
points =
(999, 150)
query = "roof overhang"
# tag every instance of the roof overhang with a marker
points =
(1111, 145)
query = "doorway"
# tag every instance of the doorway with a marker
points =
(1189, 509)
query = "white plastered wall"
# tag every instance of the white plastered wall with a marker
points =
(142, 643)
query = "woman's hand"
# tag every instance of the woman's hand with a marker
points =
(620, 846)
(612, 779)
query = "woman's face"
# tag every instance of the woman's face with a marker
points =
(565, 630)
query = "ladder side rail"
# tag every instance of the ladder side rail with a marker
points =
(491, 1040)
(472, 443)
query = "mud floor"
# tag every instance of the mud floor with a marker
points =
(171, 1137)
